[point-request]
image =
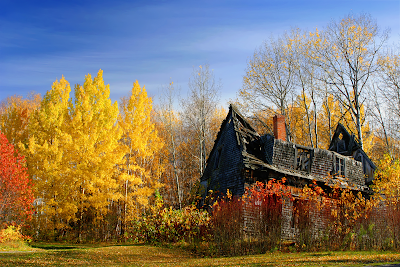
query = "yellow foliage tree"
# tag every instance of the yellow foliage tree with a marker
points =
(141, 144)
(73, 155)
(95, 152)
(387, 179)
(301, 116)
(47, 159)
(328, 118)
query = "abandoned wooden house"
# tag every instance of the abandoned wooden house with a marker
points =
(241, 156)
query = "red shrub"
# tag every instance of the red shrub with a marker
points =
(16, 195)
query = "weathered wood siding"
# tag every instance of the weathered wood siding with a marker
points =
(227, 173)
(322, 162)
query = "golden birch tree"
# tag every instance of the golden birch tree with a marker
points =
(73, 154)
(140, 142)
(48, 160)
(95, 152)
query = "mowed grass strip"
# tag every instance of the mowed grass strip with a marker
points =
(141, 255)
(89, 255)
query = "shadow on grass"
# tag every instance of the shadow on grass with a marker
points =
(321, 254)
(52, 246)
(55, 246)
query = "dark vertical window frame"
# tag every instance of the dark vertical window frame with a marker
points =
(217, 161)
(339, 166)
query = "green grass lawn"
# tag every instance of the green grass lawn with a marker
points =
(143, 255)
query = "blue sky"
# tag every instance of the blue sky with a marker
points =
(154, 42)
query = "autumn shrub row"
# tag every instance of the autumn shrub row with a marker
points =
(224, 226)
(268, 217)
(166, 225)
(345, 220)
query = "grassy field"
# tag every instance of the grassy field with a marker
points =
(141, 255)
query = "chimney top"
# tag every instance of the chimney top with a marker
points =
(279, 127)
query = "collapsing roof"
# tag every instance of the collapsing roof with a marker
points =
(240, 155)
(347, 144)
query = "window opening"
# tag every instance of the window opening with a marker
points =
(341, 144)
(340, 166)
(217, 158)
(303, 159)
(295, 213)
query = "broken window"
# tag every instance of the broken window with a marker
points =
(294, 220)
(341, 144)
(248, 175)
(303, 158)
(339, 166)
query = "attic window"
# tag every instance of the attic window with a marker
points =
(341, 144)
(303, 158)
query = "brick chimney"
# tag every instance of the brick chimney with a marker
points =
(279, 127)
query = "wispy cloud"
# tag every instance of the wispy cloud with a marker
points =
(152, 41)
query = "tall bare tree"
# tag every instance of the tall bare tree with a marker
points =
(384, 102)
(168, 117)
(199, 108)
(269, 82)
(377, 112)
(389, 74)
(269, 78)
(347, 53)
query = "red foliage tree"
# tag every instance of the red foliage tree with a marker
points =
(16, 196)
